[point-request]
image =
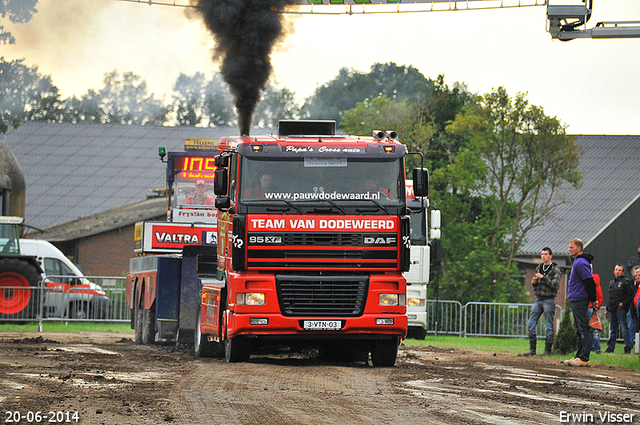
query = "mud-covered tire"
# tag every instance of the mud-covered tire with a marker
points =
(237, 349)
(19, 295)
(138, 320)
(384, 352)
(202, 347)
(149, 326)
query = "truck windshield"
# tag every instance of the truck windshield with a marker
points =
(192, 193)
(331, 181)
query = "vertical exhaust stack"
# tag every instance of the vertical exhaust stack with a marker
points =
(245, 32)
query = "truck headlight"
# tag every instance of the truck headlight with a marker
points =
(392, 299)
(416, 302)
(250, 298)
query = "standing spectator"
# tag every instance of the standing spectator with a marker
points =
(620, 298)
(595, 333)
(636, 300)
(631, 314)
(635, 310)
(546, 282)
(581, 290)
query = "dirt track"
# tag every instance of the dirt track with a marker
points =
(109, 380)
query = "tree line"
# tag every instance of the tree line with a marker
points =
(498, 165)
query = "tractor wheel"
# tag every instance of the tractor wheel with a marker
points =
(384, 352)
(19, 296)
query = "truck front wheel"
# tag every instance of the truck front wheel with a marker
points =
(237, 349)
(19, 298)
(384, 352)
(203, 347)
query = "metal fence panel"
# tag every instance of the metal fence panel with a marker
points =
(495, 319)
(64, 298)
(444, 317)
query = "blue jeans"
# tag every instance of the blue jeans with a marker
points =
(580, 310)
(548, 307)
(618, 319)
(595, 336)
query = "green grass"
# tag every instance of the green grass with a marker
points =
(517, 346)
(118, 328)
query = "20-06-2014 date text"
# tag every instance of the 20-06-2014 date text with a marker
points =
(48, 417)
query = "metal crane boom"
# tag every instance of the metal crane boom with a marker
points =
(564, 24)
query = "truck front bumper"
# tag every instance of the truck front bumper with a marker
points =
(368, 326)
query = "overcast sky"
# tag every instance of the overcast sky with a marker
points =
(591, 85)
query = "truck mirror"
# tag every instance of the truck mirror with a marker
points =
(222, 161)
(220, 182)
(420, 182)
(223, 203)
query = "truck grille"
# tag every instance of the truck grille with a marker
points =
(328, 296)
(325, 251)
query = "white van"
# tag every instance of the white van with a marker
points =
(73, 297)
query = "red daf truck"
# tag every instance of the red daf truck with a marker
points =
(312, 237)
(313, 240)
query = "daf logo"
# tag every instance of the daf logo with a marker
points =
(379, 240)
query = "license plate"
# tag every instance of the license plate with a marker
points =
(322, 325)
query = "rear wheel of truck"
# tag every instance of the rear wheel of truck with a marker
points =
(384, 352)
(19, 297)
(149, 326)
(137, 317)
(203, 347)
(237, 349)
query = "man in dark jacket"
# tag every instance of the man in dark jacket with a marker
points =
(546, 282)
(581, 290)
(620, 298)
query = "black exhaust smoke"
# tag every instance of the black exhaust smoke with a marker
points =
(245, 32)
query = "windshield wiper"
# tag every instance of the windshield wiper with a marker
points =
(292, 205)
(378, 204)
(272, 207)
(342, 210)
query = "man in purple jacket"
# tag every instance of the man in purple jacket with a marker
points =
(581, 290)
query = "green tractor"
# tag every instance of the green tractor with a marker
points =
(19, 274)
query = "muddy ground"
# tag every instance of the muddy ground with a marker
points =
(106, 379)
